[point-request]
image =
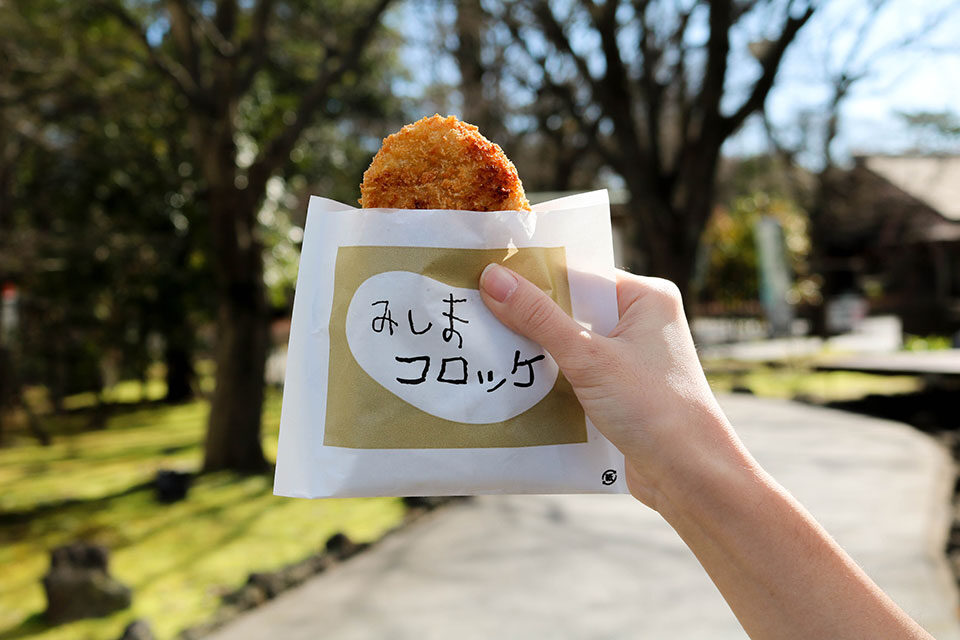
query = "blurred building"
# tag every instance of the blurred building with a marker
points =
(893, 235)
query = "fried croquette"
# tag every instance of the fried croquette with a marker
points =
(442, 163)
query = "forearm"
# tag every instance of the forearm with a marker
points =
(780, 572)
(643, 388)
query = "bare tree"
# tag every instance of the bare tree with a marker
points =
(649, 81)
(480, 107)
(845, 67)
(548, 148)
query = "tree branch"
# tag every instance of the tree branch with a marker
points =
(770, 65)
(555, 34)
(181, 77)
(652, 89)
(181, 26)
(614, 94)
(220, 42)
(741, 9)
(678, 72)
(276, 152)
(225, 19)
(566, 95)
(788, 157)
(877, 57)
(256, 43)
(601, 16)
(718, 48)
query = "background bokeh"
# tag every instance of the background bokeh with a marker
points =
(793, 165)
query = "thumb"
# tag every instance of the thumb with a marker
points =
(524, 308)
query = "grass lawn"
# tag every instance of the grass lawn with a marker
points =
(179, 558)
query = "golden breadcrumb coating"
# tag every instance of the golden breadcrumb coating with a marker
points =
(441, 163)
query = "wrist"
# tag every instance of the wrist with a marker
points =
(701, 464)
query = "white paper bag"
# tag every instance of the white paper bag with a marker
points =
(400, 382)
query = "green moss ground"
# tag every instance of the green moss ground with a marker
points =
(177, 558)
(794, 381)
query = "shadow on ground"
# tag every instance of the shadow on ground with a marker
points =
(932, 411)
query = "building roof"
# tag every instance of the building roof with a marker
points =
(934, 180)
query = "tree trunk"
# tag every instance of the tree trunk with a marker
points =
(820, 240)
(233, 433)
(178, 335)
(672, 215)
(669, 252)
(674, 262)
(7, 400)
(180, 373)
(480, 103)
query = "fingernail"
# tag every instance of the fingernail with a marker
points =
(499, 282)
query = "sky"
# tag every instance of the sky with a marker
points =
(924, 76)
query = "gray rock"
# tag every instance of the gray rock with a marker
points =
(79, 586)
(339, 545)
(246, 597)
(137, 630)
(425, 502)
(300, 571)
(171, 486)
(272, 583)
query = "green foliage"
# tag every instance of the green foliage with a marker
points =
(727, 265)
(731, 272)
(104, 209)
(330, 156)
(103, 227)
(177, 558)
(927, 343)
(792, 381)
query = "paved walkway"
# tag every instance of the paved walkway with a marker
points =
(944, 362)
(880, 334)
(607, 567)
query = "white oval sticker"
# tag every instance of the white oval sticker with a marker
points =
(438, 348)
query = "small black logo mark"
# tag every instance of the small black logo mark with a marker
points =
(609, 476)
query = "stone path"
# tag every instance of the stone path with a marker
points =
(607, 567)
(941, 362)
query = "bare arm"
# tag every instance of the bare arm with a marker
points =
(643, 387)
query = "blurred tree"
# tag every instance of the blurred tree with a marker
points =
(648, 83)
(937, 130)
(528, 120)
(96, 205)
(481, 70)
(852, 55)
(54, 247)
(552, 152)
(295, 60)
(751, 188)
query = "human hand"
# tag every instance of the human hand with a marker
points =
(644, 389)
(642, 386)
